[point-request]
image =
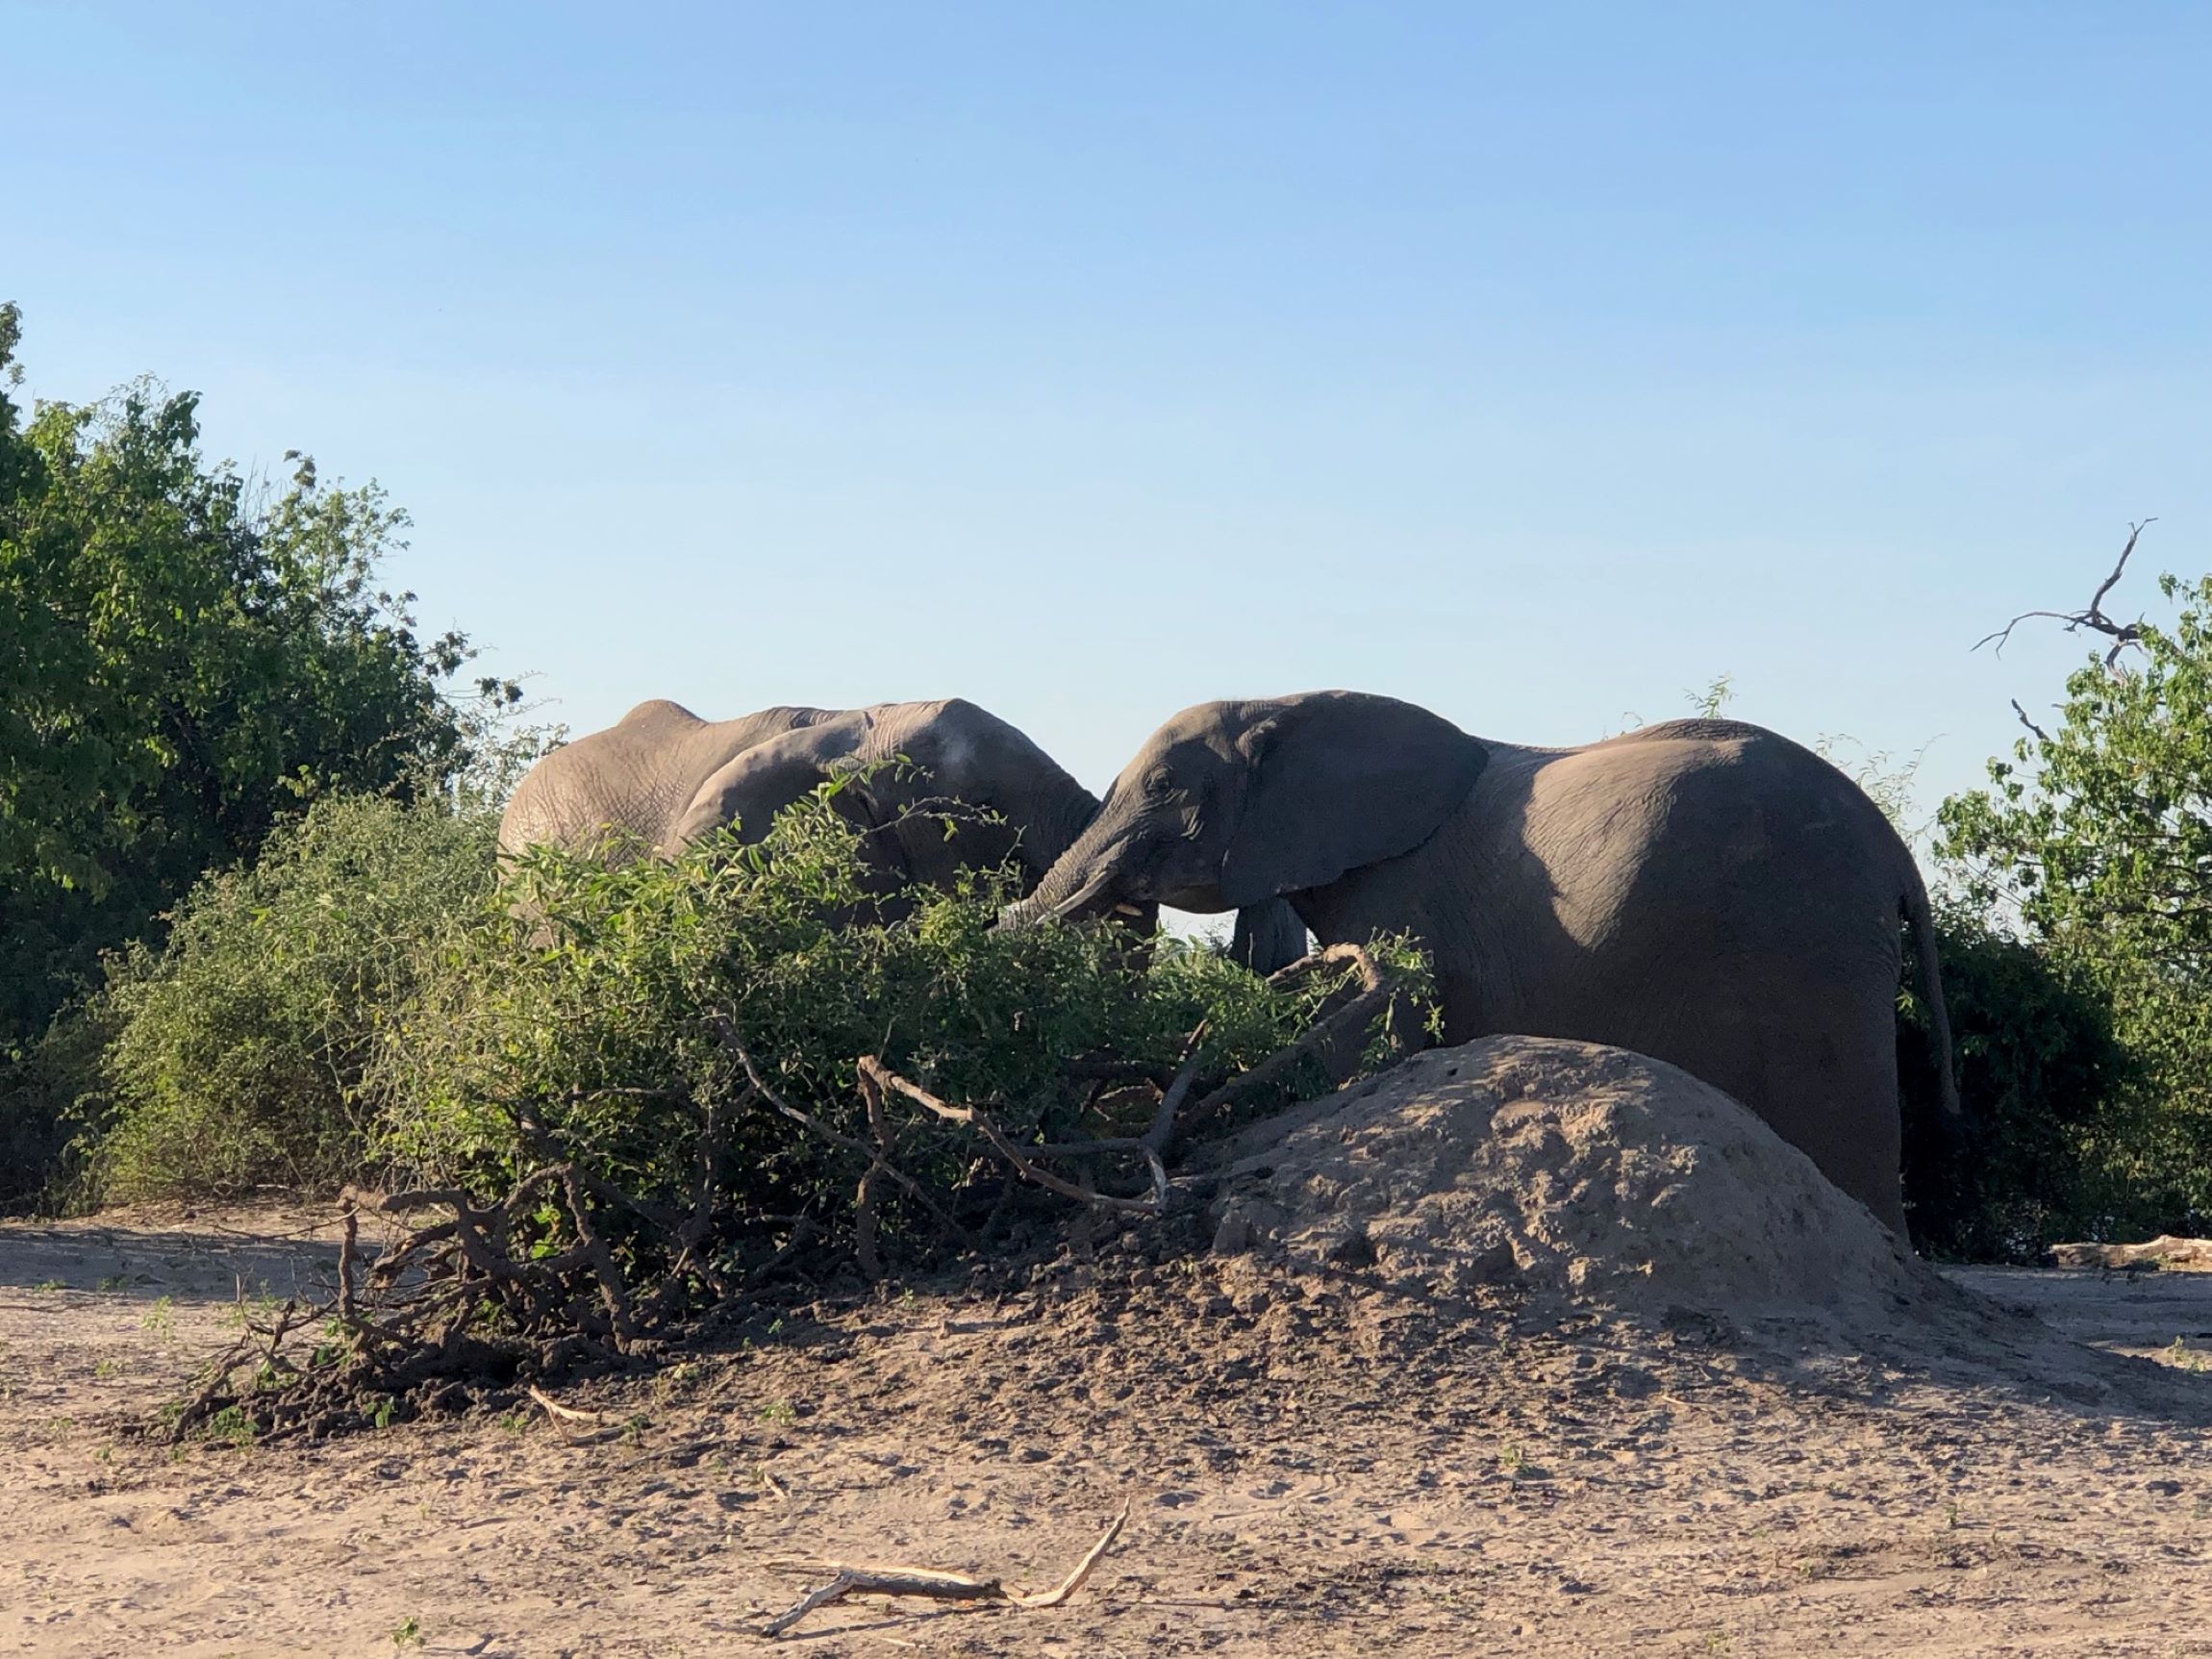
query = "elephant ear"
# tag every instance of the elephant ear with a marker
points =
(754, 786)
(1336, 780)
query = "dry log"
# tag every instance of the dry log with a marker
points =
(2164, 1251)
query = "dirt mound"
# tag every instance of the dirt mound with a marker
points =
(1568, 1168)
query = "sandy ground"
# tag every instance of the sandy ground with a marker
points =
(1318, 1458)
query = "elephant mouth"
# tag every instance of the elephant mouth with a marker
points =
(1094, 898)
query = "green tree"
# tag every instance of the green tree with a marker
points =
(2096, 835)
(185, 660)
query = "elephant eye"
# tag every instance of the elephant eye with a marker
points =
(1159, 783)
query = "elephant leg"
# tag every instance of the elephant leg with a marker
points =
(1847, 1071)
(1816, 1058)
(1267, 938)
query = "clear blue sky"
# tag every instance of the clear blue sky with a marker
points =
(1533, 363)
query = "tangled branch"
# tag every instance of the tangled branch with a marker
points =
(2093, 617)
(572, 1266)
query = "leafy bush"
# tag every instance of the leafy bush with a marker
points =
(635, 1092)
(2050, 1094)
(606, 1016)
(238, 1051)
(48, 1091)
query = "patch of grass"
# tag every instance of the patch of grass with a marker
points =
(779, 1411)
(407, 1633)
(161, 1320)
(237, 1315)
(232, 1426)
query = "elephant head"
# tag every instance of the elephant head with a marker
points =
(1231, 804)
(914, 762)
(1235, 804)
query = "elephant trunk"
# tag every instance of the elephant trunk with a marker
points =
(1079, 882)
(1057, 827)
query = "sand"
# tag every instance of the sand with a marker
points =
(1530, 1348)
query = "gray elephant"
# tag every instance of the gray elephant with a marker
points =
(666, 777)
(1703, 892)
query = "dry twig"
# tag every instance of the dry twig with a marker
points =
(566, 1413)
(938, 1586)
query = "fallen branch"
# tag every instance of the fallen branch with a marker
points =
(938, 1586)
(566, 1413)
(1376, 993)
(885, 1078)
(2166, 1250)
(726, 1034)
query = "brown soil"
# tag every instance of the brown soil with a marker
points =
(1531, 1347)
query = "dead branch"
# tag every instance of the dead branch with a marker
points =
(1161, 1129)
(726, 1034)
(935, 1585)
(2164, 1251)
(863, 1201)
(2121, 634)
(1376, 993)
(345, 1253)
(600, 1259)
(975, 1117)
(568, 1414)
(271, 1337)
(218, 1379)
(2041, 735)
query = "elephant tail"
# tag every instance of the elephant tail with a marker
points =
(1921, 918)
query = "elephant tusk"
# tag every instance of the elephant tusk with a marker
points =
(1082, 896)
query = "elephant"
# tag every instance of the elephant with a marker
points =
(1703, 892)
(664, 777)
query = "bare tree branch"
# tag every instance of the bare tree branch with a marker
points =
(2121, 634)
